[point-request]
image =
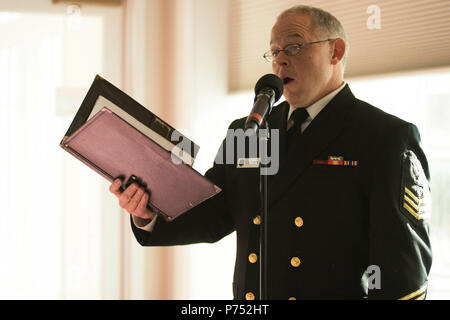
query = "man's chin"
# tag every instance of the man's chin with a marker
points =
(293, 101)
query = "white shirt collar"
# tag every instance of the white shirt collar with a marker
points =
(316, 107)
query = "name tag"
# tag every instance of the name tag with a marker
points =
(248, 163)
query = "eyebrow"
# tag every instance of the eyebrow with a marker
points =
(294, 35)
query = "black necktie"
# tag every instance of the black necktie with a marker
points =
(297, 117)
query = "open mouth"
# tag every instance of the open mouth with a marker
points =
(287, 80)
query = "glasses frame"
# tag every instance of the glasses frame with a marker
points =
(270, 57)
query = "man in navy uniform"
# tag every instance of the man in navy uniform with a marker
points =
(348, 206)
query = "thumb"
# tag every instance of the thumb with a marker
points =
(115, 187)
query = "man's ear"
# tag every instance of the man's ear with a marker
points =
(338, 47)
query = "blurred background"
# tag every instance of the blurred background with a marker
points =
(63, 235)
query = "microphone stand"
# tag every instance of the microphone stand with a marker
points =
(264, 225)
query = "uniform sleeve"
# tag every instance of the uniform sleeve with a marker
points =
(209, 221)
(400, 204)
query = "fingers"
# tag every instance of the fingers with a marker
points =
(137, 206)
(142, 210)
(142, 205)
(134, 199)
(126, 196)
(115, 187)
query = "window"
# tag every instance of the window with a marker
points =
(51, 225)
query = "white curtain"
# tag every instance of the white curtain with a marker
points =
(52, 242)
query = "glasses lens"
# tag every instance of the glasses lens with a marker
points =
(292, 49)
(268, 56)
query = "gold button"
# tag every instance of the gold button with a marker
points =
(295, 262)
(249, 296)
(298, 222)
(252, 258)
(257, 220)
(292, 298)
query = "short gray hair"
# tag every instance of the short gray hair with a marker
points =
(325, 24)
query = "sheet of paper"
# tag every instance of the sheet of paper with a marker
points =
(166, 144)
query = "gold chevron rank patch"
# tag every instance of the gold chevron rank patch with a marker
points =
(415, 201)
(411, 203)
(417, 295)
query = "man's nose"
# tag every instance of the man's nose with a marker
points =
(281, 59)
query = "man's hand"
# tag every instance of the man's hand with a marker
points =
(134, 200)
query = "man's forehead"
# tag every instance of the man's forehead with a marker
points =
(291, 27)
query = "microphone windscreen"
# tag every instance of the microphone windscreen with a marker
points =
(270, 81)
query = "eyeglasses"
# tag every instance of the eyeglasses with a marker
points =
(290, 50)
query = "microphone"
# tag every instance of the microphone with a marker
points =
(268, 90)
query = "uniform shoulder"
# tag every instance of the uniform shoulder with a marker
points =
(238, 123)
(372, 117)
